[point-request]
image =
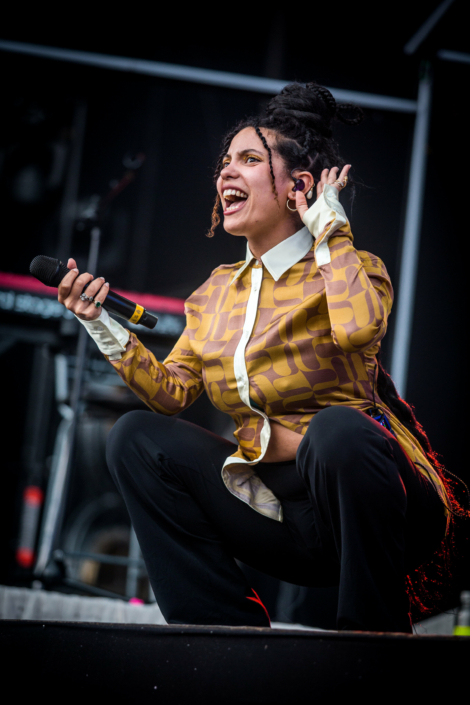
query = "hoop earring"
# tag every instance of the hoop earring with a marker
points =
(292, 210)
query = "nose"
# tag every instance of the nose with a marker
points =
(229, 171)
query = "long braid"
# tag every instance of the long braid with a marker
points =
(325, 96)
(270, 156)
(226, 144)
(347, 119)
(215, 217)
(339, 110)
(308, 148)
(405, 414)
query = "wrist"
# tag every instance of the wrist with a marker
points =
(89, 320)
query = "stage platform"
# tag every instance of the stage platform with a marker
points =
(185, 664)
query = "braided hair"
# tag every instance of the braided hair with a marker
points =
(300, 118)
(270, 156)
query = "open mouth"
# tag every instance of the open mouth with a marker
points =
(234, 200)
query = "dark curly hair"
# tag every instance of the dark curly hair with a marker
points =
(301, 118)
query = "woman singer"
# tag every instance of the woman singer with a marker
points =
(331, 481)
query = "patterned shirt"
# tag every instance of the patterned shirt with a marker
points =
(276, 341)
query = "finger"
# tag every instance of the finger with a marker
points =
(65, 285)
(103, 292)
(79, 284)
(333, 175)
(92, 312)
(94, 287)
(80, 306)
(344, 173)
(322, 182)
(341, 180)
(71, 264)
(301, 203)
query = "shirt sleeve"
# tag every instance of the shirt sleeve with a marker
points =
(167, 387)
(110, 337)
(359, 293)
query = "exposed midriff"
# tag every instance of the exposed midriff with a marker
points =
(282, 445)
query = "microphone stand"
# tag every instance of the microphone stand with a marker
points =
(50, 566)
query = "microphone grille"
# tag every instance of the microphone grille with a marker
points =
(48, 270)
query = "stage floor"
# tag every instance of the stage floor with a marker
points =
(182, 664)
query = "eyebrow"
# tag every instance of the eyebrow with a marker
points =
(246, 151)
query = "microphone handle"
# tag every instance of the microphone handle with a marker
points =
(129, 310)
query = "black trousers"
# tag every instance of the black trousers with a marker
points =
(356, 514)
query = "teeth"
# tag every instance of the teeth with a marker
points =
(233, 192)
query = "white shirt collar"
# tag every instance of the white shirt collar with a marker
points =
(283, 256)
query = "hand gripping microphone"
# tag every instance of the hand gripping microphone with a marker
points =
(51, 271)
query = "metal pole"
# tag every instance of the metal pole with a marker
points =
(410, 247)
(418, 37)
(456, 56)
(191, 74)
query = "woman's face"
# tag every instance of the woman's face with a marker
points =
(245, 186)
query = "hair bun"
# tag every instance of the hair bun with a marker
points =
(313, 106)
(313, 121)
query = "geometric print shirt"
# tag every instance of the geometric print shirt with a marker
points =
(277, 340)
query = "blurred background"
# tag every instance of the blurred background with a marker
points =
(74, 128)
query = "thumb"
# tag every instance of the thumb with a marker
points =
(301, 203)
(71, 264)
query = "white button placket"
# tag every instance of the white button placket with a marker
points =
(241, 373)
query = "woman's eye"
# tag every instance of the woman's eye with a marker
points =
(225, 164)
(250, 159)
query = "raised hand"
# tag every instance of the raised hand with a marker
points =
(71, 287)
(331, 177)
(328, 176)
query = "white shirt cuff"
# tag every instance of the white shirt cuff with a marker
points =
(326, 209)
(110, 337)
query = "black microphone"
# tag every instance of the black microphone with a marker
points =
(51, 271)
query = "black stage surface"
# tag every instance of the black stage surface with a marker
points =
(178, 664)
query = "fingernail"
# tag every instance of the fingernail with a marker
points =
(75, 270)
(102, 278)
(107, 284)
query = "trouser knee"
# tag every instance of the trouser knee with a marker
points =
(336, 429)
(124, 439)
(335, 437)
